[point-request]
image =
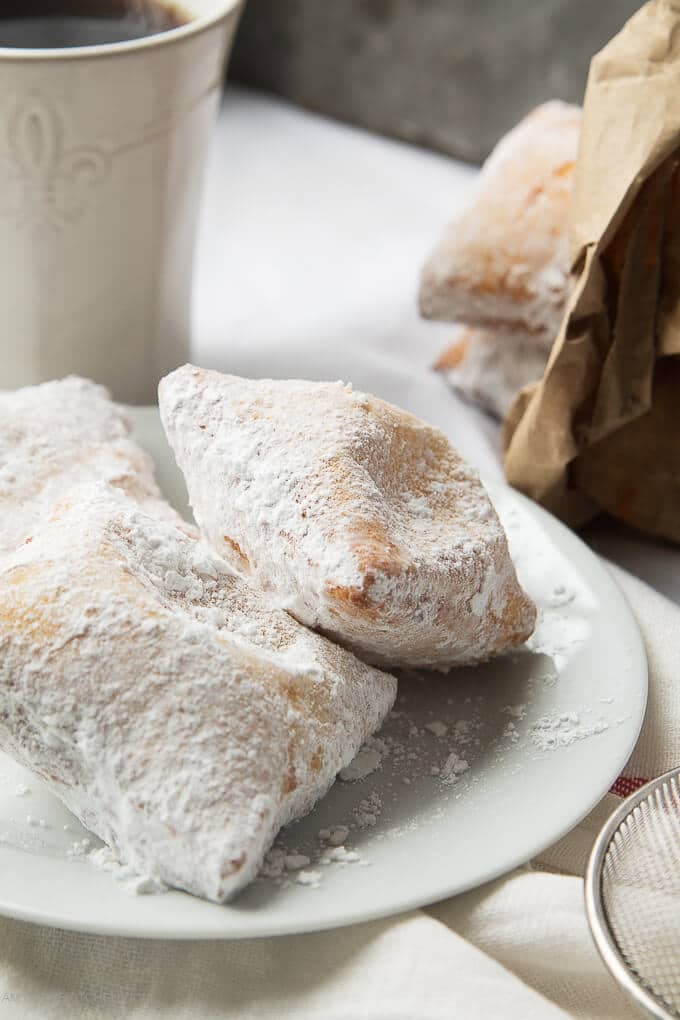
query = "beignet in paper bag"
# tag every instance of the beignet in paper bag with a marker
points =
(599, 433)
(503, 261)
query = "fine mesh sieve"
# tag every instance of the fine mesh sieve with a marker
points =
(633, 896)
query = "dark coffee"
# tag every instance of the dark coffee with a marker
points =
(57, 24)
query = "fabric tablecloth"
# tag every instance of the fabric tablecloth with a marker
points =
(311, 241)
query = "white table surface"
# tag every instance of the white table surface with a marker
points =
(311, 241)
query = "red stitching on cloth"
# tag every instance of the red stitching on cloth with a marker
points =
(625, 785)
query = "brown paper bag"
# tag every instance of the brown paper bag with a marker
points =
(601, 430)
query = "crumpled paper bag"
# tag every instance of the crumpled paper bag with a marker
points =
(600, 431)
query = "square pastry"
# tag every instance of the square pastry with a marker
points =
(357, 518)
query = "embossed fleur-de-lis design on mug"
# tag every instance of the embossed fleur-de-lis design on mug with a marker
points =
(42, 183)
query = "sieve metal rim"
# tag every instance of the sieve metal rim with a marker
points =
(597, 919)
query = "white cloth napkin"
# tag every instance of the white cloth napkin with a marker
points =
(312, 239)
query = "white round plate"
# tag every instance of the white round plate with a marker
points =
(544, 733)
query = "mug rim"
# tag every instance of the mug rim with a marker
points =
(193, 27)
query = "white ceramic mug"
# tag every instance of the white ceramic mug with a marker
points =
(102, 153)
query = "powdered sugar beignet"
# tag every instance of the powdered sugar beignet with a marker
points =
(159, 696)
(61, 434)
(490, 367)
(358, 518)
(504, 260)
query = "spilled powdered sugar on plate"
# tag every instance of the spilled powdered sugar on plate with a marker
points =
(446, 739)
(449, 740)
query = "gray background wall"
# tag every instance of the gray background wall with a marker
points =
(453, 75)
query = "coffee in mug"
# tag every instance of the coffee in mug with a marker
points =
(102, 152)
(61, 24)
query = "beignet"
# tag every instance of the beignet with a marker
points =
(162, 698)
(504, 260)
(359, 519)
(58, 435)
(490, 367)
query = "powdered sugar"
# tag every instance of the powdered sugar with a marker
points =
(368, 811)
(279, 864)
(561, 730)
(106, 859)
(453, 768)
(490, 367)
(338, 835)
(437, 727)
(367, 761)
(312, 879)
